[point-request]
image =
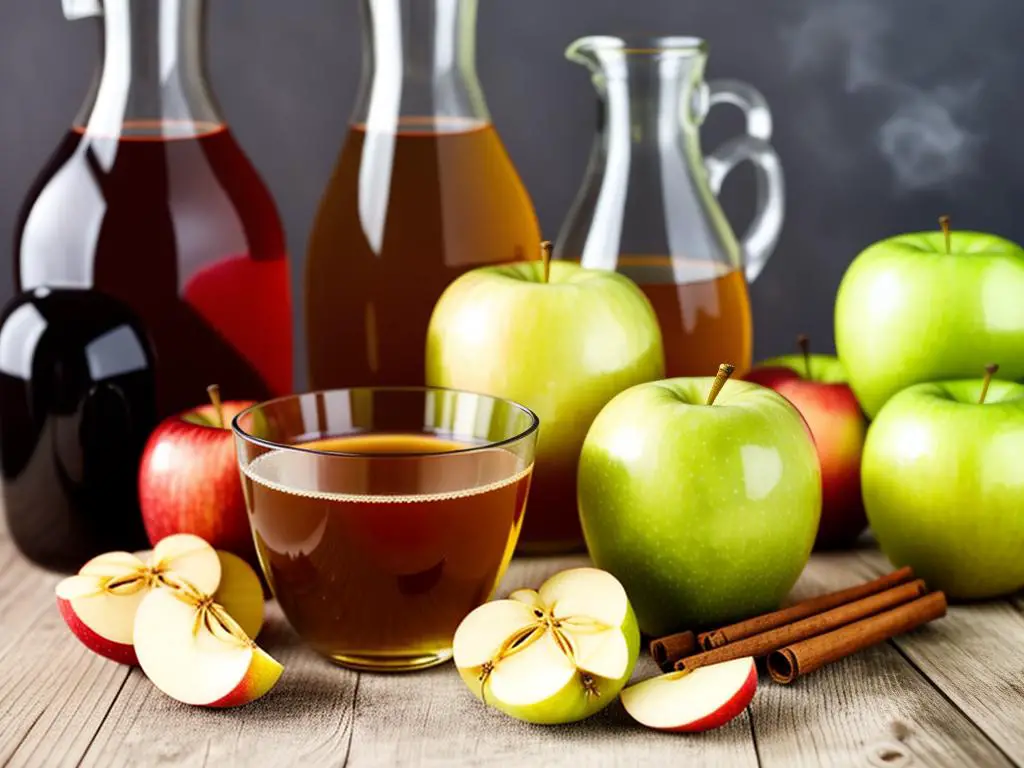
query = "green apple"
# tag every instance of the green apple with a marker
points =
(944, 488)
(555, 655)
(911, 310)
(562, 347)
(705, 513)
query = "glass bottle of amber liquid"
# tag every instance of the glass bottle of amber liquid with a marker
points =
(150, 201)
(423, 191)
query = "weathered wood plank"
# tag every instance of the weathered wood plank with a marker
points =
(974, 656)
(305, 721)
(53, 691)
(432, 719)
(873, 708)
(60, 705)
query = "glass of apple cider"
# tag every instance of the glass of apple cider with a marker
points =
(382, 516)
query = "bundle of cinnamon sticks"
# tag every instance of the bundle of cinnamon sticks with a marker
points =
(808, 635)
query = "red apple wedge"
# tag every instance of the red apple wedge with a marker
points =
(240, 591)
(705, 698)
(100, 602)
(192, 650)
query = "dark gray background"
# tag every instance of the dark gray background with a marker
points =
(887, 112)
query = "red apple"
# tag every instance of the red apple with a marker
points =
(189, 481)
(706, 698)
(817, 386)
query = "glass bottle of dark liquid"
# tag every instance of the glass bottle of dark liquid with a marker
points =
(151, 201)
(77, 402)
(422, 192)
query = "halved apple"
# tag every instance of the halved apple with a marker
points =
(555, 655)
(240, 593)
(705, 698)
(99, 603)
(192, 650)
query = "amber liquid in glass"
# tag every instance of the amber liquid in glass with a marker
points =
(405, 213)
(704, 322)
(378, 567)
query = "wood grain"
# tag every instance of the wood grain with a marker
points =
(61, 705)
(976, 657)
(431, 718)
(305, 721)
(53, 691)
(872, 708)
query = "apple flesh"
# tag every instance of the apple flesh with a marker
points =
(189, 481)
(193, 651)
(817, 386)
(909, 311)
(705, 513)
(100, 602)
(706, 698)
(555, 655)
(562, 348)
(943, 485)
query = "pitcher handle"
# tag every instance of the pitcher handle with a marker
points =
(763, 234)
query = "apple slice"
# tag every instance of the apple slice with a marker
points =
(240, 593)
(705, 698)
(192, 650)
(99, 603)
(555, 655)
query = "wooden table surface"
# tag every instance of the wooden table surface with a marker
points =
(950, 694)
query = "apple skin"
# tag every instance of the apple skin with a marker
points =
(943, 485)
(907, 312)
(706, 514)
(189, 482)
(731, 710)
(122, 653)
(562, 348)
(838, 426)
(719, 717)
(262, 675)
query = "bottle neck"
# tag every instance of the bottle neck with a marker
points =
(419, 66)
(152, 82)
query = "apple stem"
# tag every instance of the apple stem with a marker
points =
(944, 223)
(545, 255)
(214, 392)
(724, 372)
(990, 371)
(804, 343)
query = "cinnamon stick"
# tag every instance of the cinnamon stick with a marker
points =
(779, 637)
(667, 650)
(791, 662)
(719, 637)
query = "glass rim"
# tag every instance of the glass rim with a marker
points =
(685, 45)
(275, 445)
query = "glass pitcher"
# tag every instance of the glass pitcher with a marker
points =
(150, 201)
(423, 191)
(648, 206)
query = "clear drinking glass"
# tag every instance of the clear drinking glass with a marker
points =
(382, 516)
